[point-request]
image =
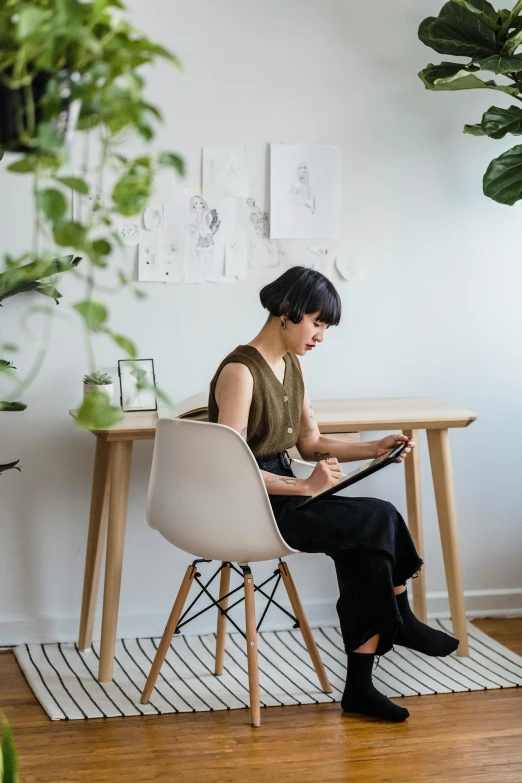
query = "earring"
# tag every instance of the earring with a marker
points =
(283, 324)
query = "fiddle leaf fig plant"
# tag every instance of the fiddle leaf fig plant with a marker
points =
(489, 40)
(76, 65)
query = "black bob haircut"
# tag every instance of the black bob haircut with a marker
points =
(300, 291)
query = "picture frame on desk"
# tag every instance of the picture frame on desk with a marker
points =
(133, 395)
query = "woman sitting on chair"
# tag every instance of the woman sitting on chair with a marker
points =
(259, 390)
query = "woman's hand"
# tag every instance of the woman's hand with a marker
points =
(391, 442)
(326, 474)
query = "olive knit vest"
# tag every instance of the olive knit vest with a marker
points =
(275, 411)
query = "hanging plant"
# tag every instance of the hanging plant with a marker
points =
(68, 64)
(489, 40)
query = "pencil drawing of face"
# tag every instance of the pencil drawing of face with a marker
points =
(198, 205)
(300, 193)
(302, 172)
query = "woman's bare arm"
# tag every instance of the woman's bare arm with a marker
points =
(312, 445)
(233, 393)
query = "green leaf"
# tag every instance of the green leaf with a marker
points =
(75, 183)
(497, 122)
(126, 344)
(8, 748)
(489, 18)
(52, 202)
(173, 161)
(97, 412)
(452, 76)
(12, 406)
(23, 165)
(501, 64)
(30, 21)
(514, 42)
(70, 234)
(456, 31)
(8, 773)
(132, 192)
(474, 130)
(94, 314)
(503, 179)
(101, 247)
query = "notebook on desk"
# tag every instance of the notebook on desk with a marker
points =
(193, 407)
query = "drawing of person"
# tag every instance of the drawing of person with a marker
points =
(204, 225)
(262, 251)
(301, 194)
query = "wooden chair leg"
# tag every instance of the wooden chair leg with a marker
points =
(251, 641)
(221, 631)
(412, 473)
(168, 633)
(95, 541)
(438, 442)
(308, 637)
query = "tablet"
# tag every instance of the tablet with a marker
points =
(352, 478)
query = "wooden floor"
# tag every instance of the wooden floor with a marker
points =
(452, 737)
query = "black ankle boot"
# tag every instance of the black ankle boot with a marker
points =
(418, 636)
(360, 695)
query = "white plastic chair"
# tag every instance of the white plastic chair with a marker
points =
(207, 497)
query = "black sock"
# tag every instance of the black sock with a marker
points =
(361, 696)
(417, 636)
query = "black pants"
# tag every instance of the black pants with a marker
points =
(371, 547)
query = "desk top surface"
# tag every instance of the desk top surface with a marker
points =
(407, 413)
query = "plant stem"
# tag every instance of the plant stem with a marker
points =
(514, 13)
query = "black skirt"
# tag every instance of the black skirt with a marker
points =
(371, 547)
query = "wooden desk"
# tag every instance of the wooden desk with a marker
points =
(110, 489)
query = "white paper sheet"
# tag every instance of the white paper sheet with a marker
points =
(305, 191)
(204, 225)
(263, 256)
(225, 172)
(161, 257)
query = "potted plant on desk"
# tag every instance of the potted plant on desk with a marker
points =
(98, 383)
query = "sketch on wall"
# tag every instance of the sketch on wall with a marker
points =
(129, 231)
(153, 218)
(262, 254)
(225, 172)
(305, 191)
(204, 225)
(161, 257)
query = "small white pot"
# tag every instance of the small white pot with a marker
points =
(104, 388)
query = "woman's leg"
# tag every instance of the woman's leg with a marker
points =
(371, 645)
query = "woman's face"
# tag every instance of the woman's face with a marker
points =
(302, 171)
(305, 336)
(198, 205)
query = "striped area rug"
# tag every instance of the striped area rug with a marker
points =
(64, 679)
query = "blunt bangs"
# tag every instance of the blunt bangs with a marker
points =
(300, 291)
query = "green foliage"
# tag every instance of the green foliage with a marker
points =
(3, 468)
(489, 38)
(87, 53)
(97, 412)
(98, 378)
(8, 754)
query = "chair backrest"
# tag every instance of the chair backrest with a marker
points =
(207, 496)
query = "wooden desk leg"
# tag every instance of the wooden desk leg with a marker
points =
(438, 442)
(414, 506)
(120, 474)
(95, 540)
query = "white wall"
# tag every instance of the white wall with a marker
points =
(435, 259)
